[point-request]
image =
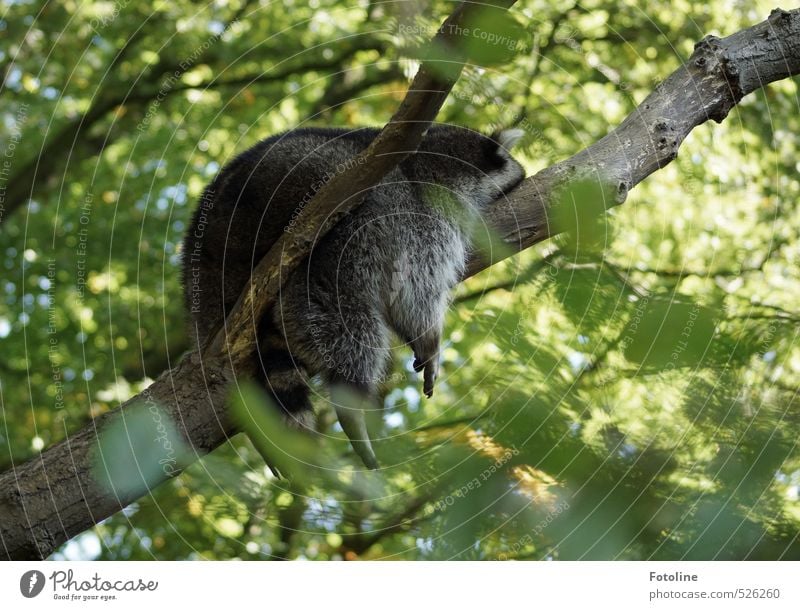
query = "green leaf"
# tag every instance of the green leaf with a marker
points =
(581, 214)
(137, 449)
(668, 334)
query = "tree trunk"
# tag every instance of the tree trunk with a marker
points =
(51, 498)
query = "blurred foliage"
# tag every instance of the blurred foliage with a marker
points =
(631, 395)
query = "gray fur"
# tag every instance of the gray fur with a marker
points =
(387, 267)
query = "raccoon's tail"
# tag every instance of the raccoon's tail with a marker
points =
(284, 378)
(286, 381)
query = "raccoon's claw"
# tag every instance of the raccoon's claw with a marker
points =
(430, 366)
(431, 372)
(429, 377)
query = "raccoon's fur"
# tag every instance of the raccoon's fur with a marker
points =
(386, 267)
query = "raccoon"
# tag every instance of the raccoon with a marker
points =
(387, 267)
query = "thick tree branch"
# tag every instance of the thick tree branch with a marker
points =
(53, 497)
(714, 79)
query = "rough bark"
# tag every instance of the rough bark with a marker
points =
(53, 497)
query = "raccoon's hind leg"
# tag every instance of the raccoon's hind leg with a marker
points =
(358, 352)
(420, 326)
(341, 336)
(283, 377)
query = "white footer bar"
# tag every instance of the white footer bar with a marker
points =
(399, 585)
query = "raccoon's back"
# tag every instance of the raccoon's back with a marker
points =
(249, 205)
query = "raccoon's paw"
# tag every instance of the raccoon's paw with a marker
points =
(429, 377)
(430, 371)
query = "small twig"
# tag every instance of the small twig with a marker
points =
(539, 53)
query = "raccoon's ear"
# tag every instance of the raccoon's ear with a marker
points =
(508, 138)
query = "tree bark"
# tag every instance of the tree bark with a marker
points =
(49, 499)
(713, 80)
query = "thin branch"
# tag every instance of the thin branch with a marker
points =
(33, 176)
(509, 284)
(261, 77)
(540, 53)
(679, 274)
(401, 521)
(339, 94)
